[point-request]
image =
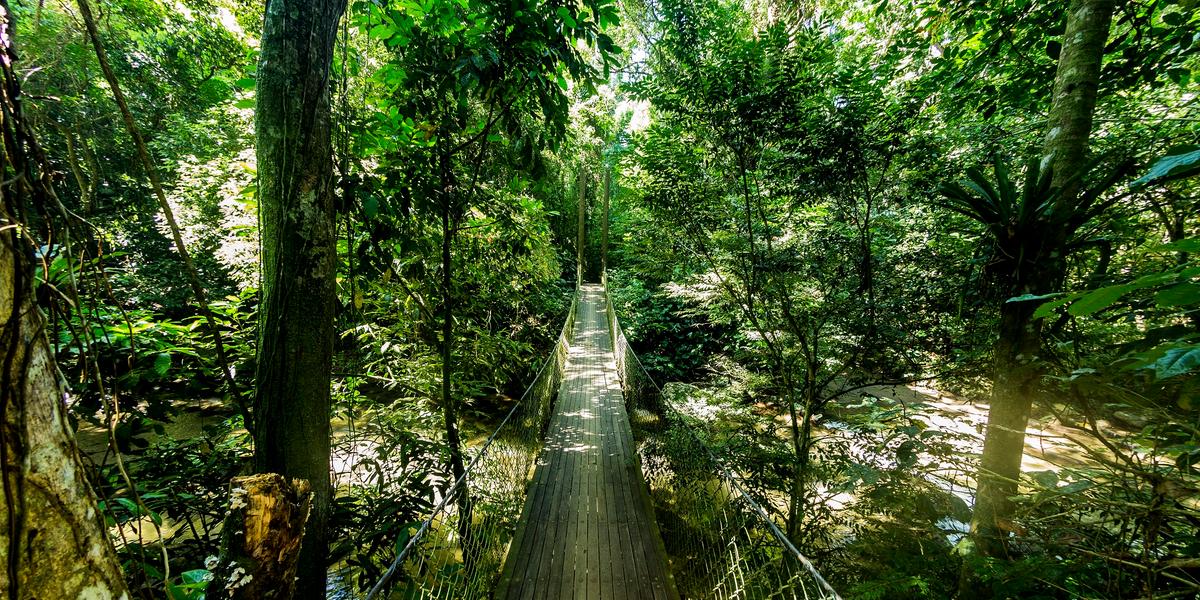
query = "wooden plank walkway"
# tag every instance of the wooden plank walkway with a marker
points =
(588, 531)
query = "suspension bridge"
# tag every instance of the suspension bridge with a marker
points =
(564, 501)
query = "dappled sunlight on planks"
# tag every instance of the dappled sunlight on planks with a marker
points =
(587, 531)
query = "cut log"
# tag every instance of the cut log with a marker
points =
(260, 539)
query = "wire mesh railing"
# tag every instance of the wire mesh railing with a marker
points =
(458, 552)
(722, 543)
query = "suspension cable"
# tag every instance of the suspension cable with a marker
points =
(459, 485)
(619, 340)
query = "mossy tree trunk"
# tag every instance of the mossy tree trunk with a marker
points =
(299, 260)
(53, 540)
(1016, 364)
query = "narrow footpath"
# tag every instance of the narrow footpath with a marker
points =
(587, 529)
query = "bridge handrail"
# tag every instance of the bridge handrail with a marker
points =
(619, 340)
(563, 341)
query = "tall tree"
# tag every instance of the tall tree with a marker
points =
(143, 152)
(604, 219)
(509, 59)
(1038, 268)
(54, 543)
(296, 317)
(580, 227)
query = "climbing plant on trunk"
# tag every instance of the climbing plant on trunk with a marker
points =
(53, 539)
(1034, 231)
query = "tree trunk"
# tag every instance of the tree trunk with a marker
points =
(53, 541)
(449, 403)
(1016, 366)
(604, 221)
(581, 227)
(1076, 87)
(449, 218)
(801, 433)
(260, 538)
(1015, 378)
(299, 260)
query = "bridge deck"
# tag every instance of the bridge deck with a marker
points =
(587, 530)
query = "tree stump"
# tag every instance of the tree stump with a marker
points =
(260, 538)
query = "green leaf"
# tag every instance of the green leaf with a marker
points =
(244, 103)
(406, 532)
(1187, 459)
(195, 576)
(1098, 300)
(1046, 479)
(1177, 361)
(178, 592)
(371, 206)
(562, 82)
(1176, 164)
(1076, 487)
(1188, 245)
(162, 363)
(1028, 297)
(1179, 75)
(246, 83)
(1183, 294)
(1048, 308)
(565, 15)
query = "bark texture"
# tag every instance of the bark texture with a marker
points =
(260, 538)
(1040, 268)
(53, 541)
(296, 315)
(1076, 88)
(1014, 384)
(449, 402)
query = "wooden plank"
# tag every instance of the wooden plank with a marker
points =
(634, 556)
(608, 514)
(595, 493)
(622, 575)
(651, 567)
(571, 550)
(548, 484)
(587, 528)
(560, 577)
(554, 582)
(537, 556)
(575, 567)
(583, 515)
(536, 552)
(618, 534)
